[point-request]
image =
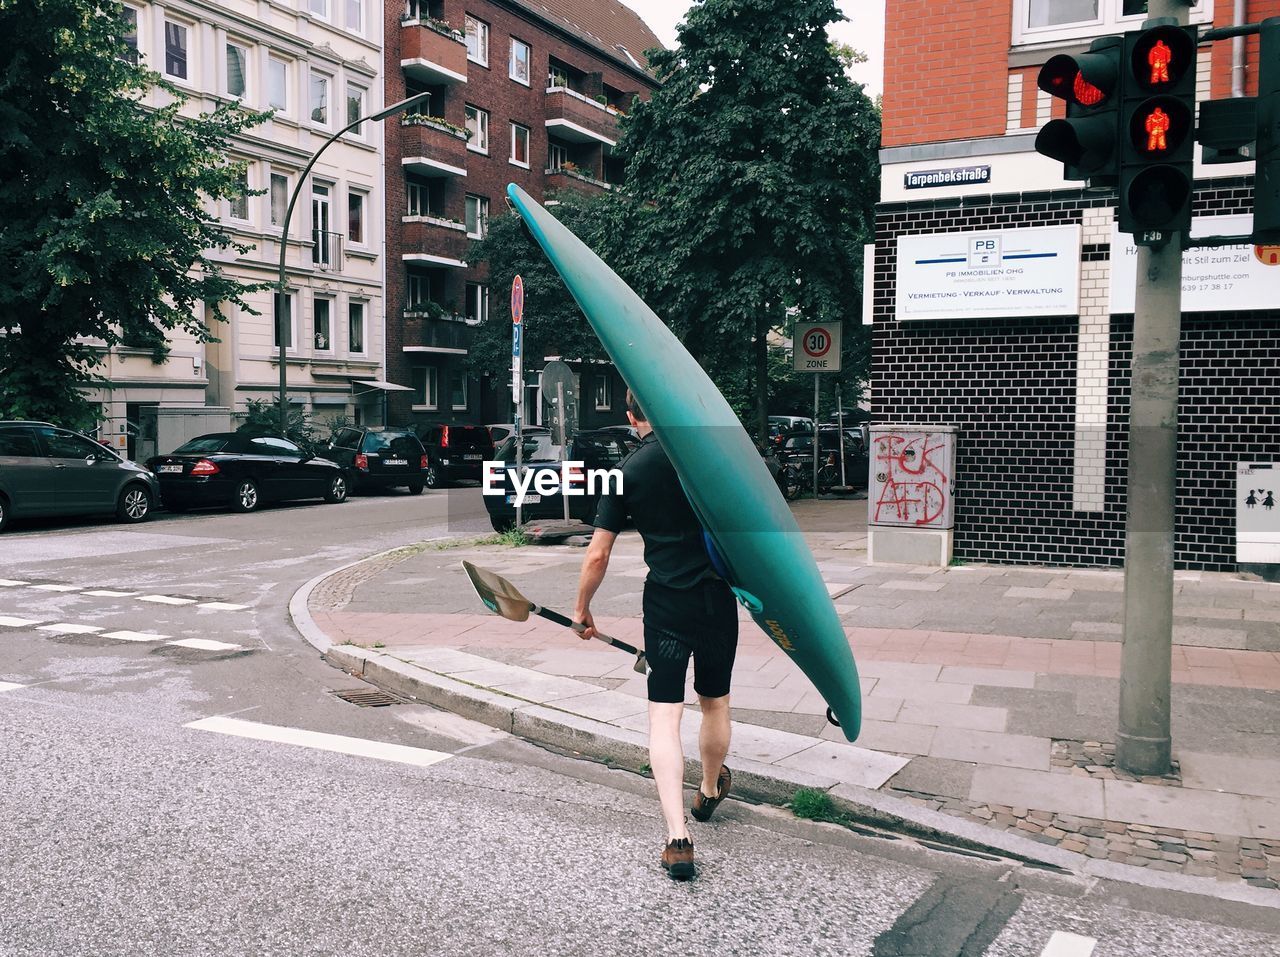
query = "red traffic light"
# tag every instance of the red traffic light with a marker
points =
(1159, 126)
(1086, 79)
(1161, 56)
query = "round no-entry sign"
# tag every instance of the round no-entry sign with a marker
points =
(517, 300)
(817, 347)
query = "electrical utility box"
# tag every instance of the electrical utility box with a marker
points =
(910, 495)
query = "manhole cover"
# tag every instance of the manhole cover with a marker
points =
(366, 697)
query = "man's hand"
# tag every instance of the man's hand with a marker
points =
(583, 617)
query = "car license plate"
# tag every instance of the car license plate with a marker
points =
(170, 468)
(471, 458)
(395, 461)
(528, 499)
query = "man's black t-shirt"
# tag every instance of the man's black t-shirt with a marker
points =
(653, 500)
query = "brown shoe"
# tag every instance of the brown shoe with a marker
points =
(677, 858)
(703, 806)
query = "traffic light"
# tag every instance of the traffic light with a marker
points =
(1085, 142)
(1157, 126)
(1266, 181)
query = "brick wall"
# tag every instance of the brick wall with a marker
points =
(1010, 385)
(1255, 11)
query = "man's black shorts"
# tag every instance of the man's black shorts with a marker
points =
(701, 621)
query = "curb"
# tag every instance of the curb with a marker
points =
(548, 726)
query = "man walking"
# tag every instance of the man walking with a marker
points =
(688, 611)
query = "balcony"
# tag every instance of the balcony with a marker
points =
(431, 147)
(432, 53)
(436, 335)
(568, 177)
(444, 240)
(326, 250)
(580, 119)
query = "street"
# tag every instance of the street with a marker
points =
(145, 814)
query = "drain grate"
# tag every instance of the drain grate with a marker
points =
(366, 697)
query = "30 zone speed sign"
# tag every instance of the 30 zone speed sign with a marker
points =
(816, 347)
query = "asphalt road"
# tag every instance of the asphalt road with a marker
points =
(176, 778)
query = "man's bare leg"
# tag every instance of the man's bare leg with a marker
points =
(713, 741)
(666, 760)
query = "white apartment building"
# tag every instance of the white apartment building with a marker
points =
(317, 63)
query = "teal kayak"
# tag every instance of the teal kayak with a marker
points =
(759, 545)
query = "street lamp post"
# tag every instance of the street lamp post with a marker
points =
(281, 295)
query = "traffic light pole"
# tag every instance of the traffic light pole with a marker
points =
(1143, 740)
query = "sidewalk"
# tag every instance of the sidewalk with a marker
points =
(990, 694)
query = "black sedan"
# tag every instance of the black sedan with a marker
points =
(240, 471)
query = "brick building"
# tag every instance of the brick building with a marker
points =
(1036, 375)
(521, 92)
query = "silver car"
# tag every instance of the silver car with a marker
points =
(45, 470)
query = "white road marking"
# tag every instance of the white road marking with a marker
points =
(8, 686)
(222, 606)
(65, 628)
(167, 600)
(10, 622)
(1063, 944)
(109, 593)
(204, 644)
(359, 747)
(135, 636)
(11, 583)
(57, 587)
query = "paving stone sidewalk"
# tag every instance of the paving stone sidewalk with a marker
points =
(990, 692)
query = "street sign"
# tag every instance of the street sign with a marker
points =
(517, 301)
(517, 346)
(816, 347)
(1267, 255)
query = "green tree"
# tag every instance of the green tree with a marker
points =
(755, 175)
(104, 225)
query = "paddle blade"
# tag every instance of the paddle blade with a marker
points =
(499, 595)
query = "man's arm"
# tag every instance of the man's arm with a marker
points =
(594, 567)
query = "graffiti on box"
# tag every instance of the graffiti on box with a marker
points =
(912, 488)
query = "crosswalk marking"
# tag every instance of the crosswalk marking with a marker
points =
(1064, 944)
(67, 628)
(341, 744)
(135, 636)
(10, 622)
(222, 606)
(167, 600)
(204, 644)
(8, 686)
(211, 604)
(11, 583)
(57, 587)
(109, 593)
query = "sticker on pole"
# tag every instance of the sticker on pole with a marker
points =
(816, 347)
(517, 300)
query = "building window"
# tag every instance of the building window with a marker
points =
(320, 99)
(477, 216)
(320, 8)
(130, 36)
(355, 217)
(175, 50)
(518, 67)
(417, 199)
(477, 41)
(417, 291)
(557, 156)
(355, 15)
(355, 107)
(1038, 21)
(1054, 13)
(323, 331)
(557, 77)
(238, 203)
(604, 393)
(477, 303)
(424, 380)
(520, 145)
(287, 321)
(237, 58)
(278, 84)
(279, 198)
(324, 252)
(478, 124)
(355, 327)
(458, 390)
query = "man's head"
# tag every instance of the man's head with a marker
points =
(635, 415)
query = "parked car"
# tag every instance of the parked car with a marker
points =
(241, 472)
(628, 434)
(780, 426)
(455, 452)
(45, 470)
(498, 431)
(379, 458)
(596, 449)
(797, 451)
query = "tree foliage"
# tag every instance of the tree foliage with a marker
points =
(104, 205)
(754, 174)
